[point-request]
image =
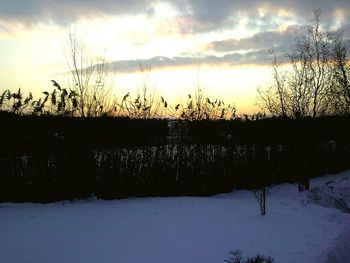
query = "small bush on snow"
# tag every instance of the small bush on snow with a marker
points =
(236, 257)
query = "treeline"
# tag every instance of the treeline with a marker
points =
(47, 159)
(51, 133)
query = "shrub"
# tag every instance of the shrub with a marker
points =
(236, 257)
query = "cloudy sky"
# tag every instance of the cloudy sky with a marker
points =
(220, 45)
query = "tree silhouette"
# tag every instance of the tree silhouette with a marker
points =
(318, 61)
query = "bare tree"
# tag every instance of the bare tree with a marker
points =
(311, 61)
(89, 74)
(261, 196)
(304, 90)
(340, 90)
(275, 98)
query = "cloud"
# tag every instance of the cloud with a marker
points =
(67, 11)
(211, 13)
(200, 15)
(3, 28)
(265, 40)
(280, 42)
(193, 16)
(258, 57)
(254, 50)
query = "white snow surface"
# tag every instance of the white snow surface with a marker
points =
(178, 229)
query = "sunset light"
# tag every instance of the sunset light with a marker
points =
(174, 38)
(175, 131)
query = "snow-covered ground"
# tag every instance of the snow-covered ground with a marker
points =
(298, 227)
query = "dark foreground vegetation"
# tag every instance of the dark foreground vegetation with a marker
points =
(53, 158)
(78, 141)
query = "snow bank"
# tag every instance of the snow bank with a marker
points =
(335, 193)
(176, 230)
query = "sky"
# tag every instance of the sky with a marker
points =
(222, 46)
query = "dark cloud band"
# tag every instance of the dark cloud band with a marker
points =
(259, 57)
(205, 14)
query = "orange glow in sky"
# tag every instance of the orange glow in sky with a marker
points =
(229, 45)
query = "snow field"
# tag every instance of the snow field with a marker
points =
(177, 229)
